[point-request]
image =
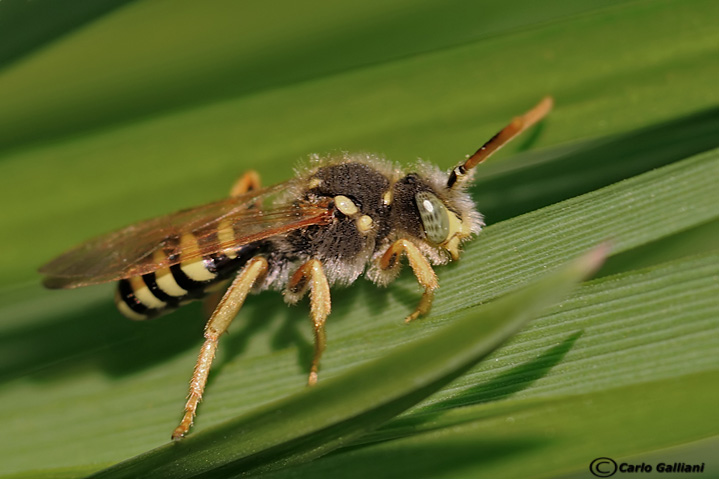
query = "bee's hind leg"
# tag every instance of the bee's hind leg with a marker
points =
(226, 311)
(250, 181)
(421, 269)
(311, 276)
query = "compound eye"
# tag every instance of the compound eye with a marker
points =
(435, 217)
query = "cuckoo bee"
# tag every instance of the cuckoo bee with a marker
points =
(342, 216)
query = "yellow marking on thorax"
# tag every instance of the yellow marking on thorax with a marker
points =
(345, 205)
(387, 197)
(364, 223)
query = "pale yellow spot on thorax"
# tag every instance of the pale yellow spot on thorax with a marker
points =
(314, 183)
(345, 205)
(364, 223)
(387, 197)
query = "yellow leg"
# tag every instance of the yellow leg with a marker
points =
(219, 322)
(250, 181)
(311, 276)
(421, 268)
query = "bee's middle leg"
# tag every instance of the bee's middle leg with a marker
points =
(421, 269)
(218, 323)
(311, 276)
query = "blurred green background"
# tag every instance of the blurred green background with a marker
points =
(115, 111)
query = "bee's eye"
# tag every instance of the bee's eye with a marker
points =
(435, 217)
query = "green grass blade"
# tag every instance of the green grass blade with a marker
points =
(539, 439)
(109, 118)
(190, 154)
(146, 59)
(631, 213)
(27, 26)
(143, 389)
(321, 419)
(611, 359)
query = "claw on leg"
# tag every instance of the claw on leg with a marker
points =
(425, 304)
(218, 323)
(197, 385)
(420, 267)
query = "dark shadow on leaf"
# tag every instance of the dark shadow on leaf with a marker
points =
(528, 139)
(696, 240)
(99, 336)
(406, 293)
(512, 381)
(380, 297)
(440, 458)
(501, 387)
(296, 330)
(291, 323)
(28, 26)
(260, 313)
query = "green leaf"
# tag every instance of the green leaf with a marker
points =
(27, 26)
(689, 182)
(329, 415)
(612, 371)
(146, 58)
(118, 111)
(189, 153)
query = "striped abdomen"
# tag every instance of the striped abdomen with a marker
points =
(152, 294)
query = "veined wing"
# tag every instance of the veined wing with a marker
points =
(183, 236)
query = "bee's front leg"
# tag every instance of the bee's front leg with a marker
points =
(311, 276)
(421, 269)
(226, 311)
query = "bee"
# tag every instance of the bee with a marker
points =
(342, 216)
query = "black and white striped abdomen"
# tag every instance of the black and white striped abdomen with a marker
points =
(159, 292)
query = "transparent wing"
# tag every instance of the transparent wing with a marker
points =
(183, 236)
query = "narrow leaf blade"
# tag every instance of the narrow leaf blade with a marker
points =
(314, 422)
